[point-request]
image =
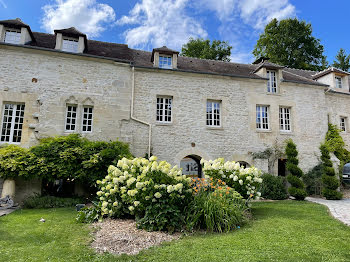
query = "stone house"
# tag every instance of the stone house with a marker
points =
(179, 108)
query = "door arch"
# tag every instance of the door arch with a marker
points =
(191, 166)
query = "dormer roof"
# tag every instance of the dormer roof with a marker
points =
(71, 31)
(268, 65)
(163, 50)
(17, 24)
(329, 70)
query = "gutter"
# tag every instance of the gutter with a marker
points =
(132, 112)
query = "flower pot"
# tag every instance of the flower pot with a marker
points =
(8, 188)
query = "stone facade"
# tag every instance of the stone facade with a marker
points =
(47, 81)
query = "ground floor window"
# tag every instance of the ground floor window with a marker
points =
(343, 123)
(71, 117)
(12, 123)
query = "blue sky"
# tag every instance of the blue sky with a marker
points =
(145, 24)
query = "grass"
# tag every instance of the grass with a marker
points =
(281, 231)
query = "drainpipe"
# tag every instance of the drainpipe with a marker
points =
(132, 112)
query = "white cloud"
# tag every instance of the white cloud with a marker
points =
(160, 22)
(88, 16)
(3, 4)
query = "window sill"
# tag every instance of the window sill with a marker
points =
(10, 143)
(263, 131)
(214, 128)
(164, 124)
(273, 94)
(286, 132)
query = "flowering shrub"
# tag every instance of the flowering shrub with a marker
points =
(245, 181)
(215, 206)
(154, 192)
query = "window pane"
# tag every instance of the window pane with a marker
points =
(262, 117)
(87, 118)
(164, 107)
(71, 117)
(165, 62)
(213, 113)
(12, 37)
(70, 45)
(12, 123)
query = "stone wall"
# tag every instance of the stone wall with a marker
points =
(237, 138)
(46, 82)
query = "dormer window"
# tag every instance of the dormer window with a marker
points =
(12, 36)
(271, 83)
(165, 62)
(338, 82)
(70, 45)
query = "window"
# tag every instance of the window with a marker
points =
(213, 113)
(87, 119)
(70, 45)
(12, 36)
(165, 62)
(271, 83)
(262, 117)
(338, 83)
(285, 119)
(343, 124)
(12, 123)
(164, 109)
(71, 118)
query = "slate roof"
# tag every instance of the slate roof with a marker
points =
(140, 58)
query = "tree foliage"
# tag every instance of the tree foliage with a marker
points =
(329, 180)
(342, 60)
(289, 42)
(297, 188)
(203, 48)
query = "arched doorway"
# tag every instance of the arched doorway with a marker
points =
(191, 166)
(244, 164)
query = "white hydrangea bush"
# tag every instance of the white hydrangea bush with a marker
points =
(135, 185)
(246, 181)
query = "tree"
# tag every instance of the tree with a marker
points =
(289, 42)
(342, 60)
(201, 48)
(297, 188)
(329, 180)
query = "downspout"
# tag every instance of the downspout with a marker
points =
(132, 112)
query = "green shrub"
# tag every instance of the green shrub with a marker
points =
(16, 161)
(273, 187)
(88, 215)
(329, 179)
(51, 202)
(155, 193)
(246, 181)
(313, 181)
(216, 208)
(297, 188)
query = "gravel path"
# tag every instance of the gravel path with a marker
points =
(120, 236)
(340, 209)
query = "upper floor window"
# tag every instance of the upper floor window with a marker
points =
(213, 113)
(71, 118)
(338, 82)
(70, 45)
(262, 117)
(87, 119)
(164, 109)
(12, 123)
(285, 119)
(271, 83)
(343, 121)
(12, 36)
(165, 62)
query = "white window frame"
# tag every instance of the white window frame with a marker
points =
(263, 122)
(285, 117)
(83, 117)
(14, 37)
(338, 82)
(213, 119)
(164, 105)
(272, 81)
(343, 123)
(165, 65)
(70, 44)
(13, 122)
(71, 118)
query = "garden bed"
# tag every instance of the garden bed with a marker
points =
(121, 236)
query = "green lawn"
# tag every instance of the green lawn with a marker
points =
(281, 231)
